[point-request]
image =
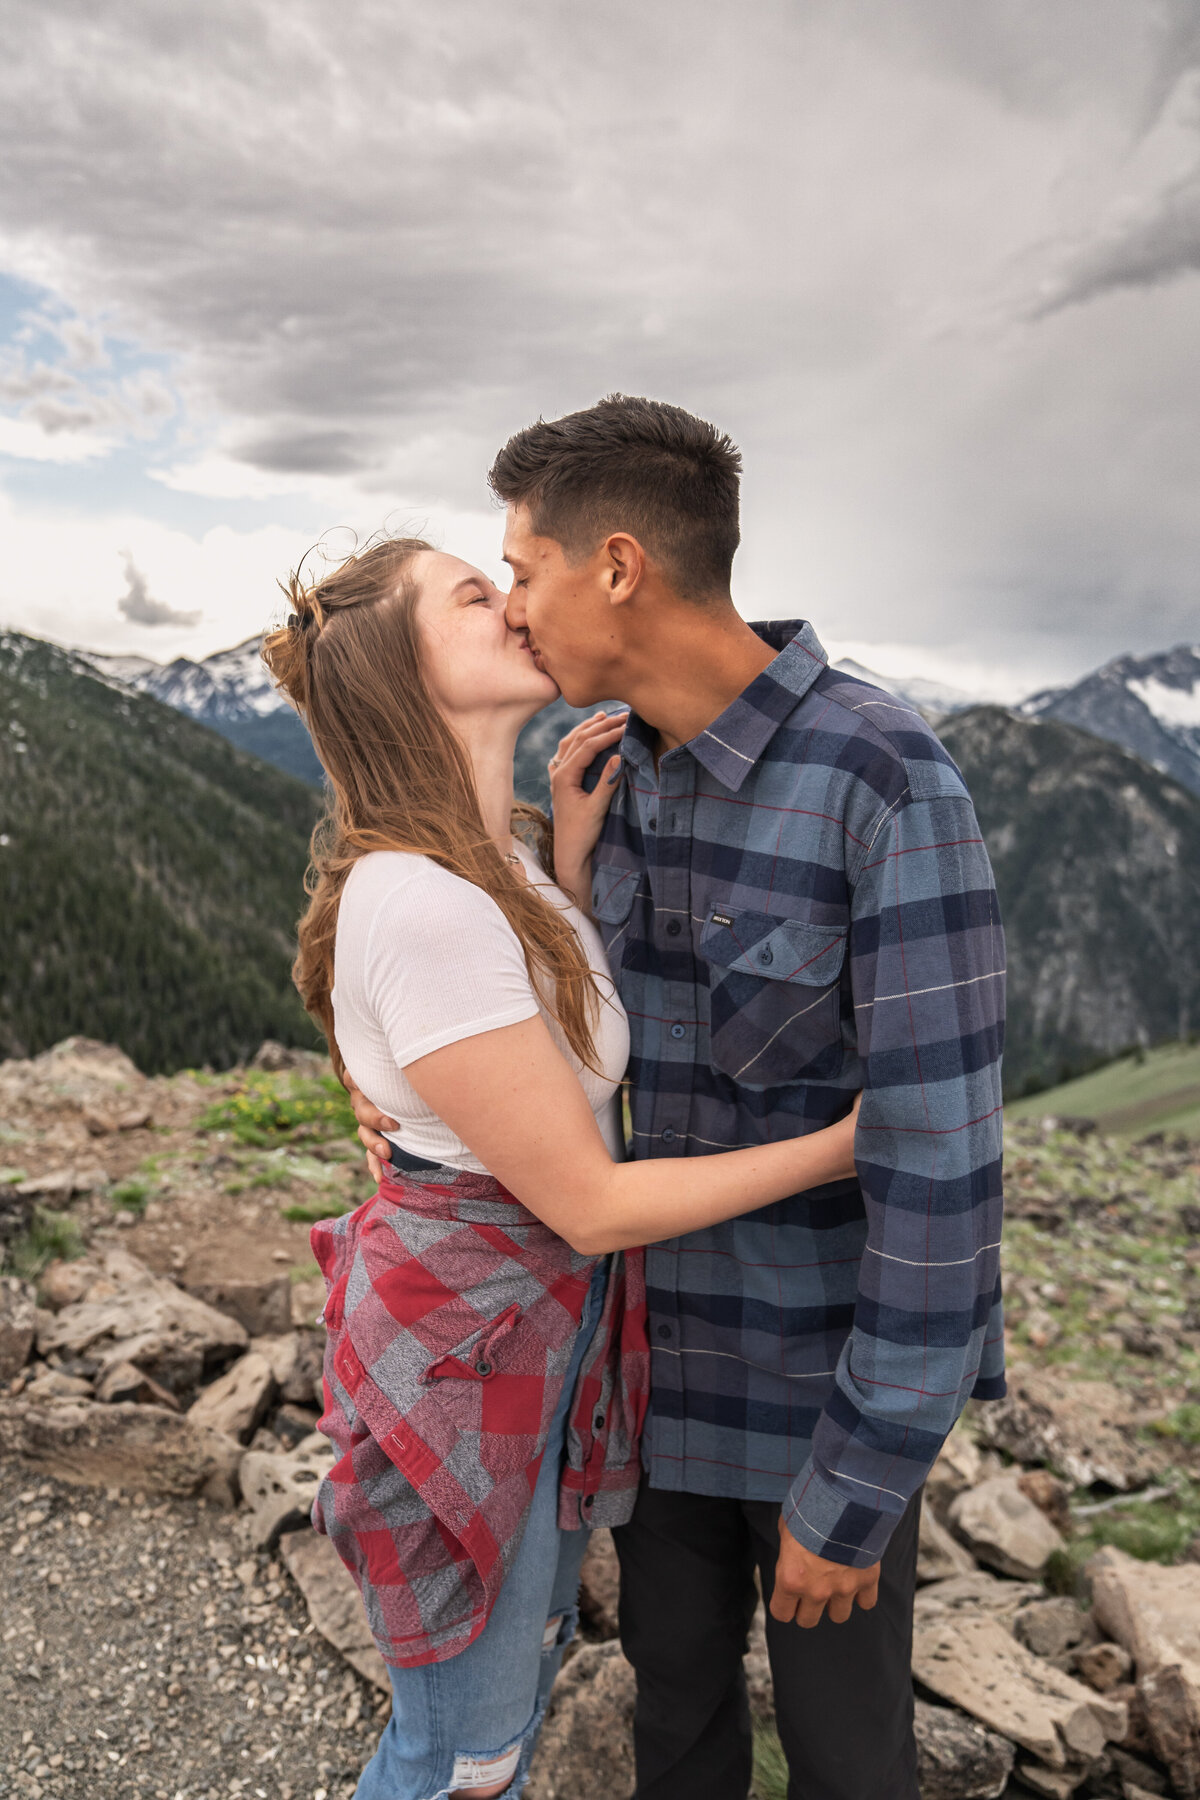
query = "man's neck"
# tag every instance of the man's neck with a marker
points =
(692, 670)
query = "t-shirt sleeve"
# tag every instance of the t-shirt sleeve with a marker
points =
(442, 964)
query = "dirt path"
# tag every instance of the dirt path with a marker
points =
(146, 1652)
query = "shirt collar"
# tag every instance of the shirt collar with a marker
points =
(734, 742)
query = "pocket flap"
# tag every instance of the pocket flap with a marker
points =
(613, 889)
(774, 948)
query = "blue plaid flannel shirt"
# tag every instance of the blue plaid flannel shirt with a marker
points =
(796, 905)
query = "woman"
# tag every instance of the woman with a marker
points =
(486, 1363)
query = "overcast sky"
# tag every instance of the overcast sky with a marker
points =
(269, 269)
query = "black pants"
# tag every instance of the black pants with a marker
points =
(843, 1693)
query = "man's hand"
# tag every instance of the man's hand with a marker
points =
(370, 1123)
(805, 1584)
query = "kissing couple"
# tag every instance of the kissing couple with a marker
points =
(764, 905)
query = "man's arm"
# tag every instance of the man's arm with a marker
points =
(927, 976)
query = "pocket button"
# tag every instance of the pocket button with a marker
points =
(678, 1031)
(766, 955)
(673, 927)
(482, 1367)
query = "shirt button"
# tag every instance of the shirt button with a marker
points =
(766, 956)
(668, 1136)
(589, 1499)
(653, 824)
(664, 1331)
(598, 1422)
(483, 1367)
(673, 928)
(678, 1031)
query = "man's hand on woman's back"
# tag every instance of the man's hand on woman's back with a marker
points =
(371, 1123)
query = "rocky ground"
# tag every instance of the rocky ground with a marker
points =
(173, 1629)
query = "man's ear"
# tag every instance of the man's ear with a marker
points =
(623, 562)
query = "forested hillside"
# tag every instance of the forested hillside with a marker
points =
(1097, 860)
(150, 873)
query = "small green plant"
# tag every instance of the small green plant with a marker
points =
(277, 1177)
(770, 1765)
(307, 1212)
(1152, 1530)
(132, 1195)
(269, 1109)
(48, 1236)
(1182, 1425)
(9, 1177)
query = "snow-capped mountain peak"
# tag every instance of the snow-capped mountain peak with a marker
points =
(1151, 704)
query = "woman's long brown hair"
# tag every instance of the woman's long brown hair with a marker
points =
(349, 659)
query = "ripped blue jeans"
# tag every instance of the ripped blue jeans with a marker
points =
(474, 1721)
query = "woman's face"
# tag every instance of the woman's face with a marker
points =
(474, 663)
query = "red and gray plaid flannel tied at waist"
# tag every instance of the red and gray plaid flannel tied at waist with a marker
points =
(451, 1317)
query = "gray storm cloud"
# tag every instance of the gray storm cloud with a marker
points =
(138, 605)
(857, 235)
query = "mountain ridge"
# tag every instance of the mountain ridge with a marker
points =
(1150, 704)
(150, 872)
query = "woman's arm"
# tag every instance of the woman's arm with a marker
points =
(518, 1106)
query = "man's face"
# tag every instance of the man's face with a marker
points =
(564, 608)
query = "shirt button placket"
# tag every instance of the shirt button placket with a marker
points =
(676, 778)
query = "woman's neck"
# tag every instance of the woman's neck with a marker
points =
(491, 744)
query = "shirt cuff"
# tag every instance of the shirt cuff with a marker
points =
(820, 1517)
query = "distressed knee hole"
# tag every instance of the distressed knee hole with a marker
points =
(491, 1772)
(550, 1635)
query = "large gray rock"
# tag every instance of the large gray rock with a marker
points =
(279, 1489)
(261, 1304)
(939, 1555)
(1051, 1627)
(132, 1315)
(126, 1446)
(1154, 1613)
(1088, 1430)
(956, 1758)
(237, 1401)
(1004, 1528)
(586, 1747)
(960, 1465)
(977, 1593)
(18, 1325)
(975, 1663)
(1173, 1724)
(334, 1603)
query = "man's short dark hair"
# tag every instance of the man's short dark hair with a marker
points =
(655, 471)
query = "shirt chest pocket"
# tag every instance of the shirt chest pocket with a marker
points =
(774, 996)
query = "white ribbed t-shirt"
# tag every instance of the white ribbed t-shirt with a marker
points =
(423, 959)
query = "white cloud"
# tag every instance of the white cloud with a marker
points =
(28, 441)
(376, 243)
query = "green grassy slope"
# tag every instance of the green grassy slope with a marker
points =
(150, 873)
(1158, 1091)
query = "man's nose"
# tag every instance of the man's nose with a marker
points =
(514, 609)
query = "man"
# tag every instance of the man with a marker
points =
(796, 904)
